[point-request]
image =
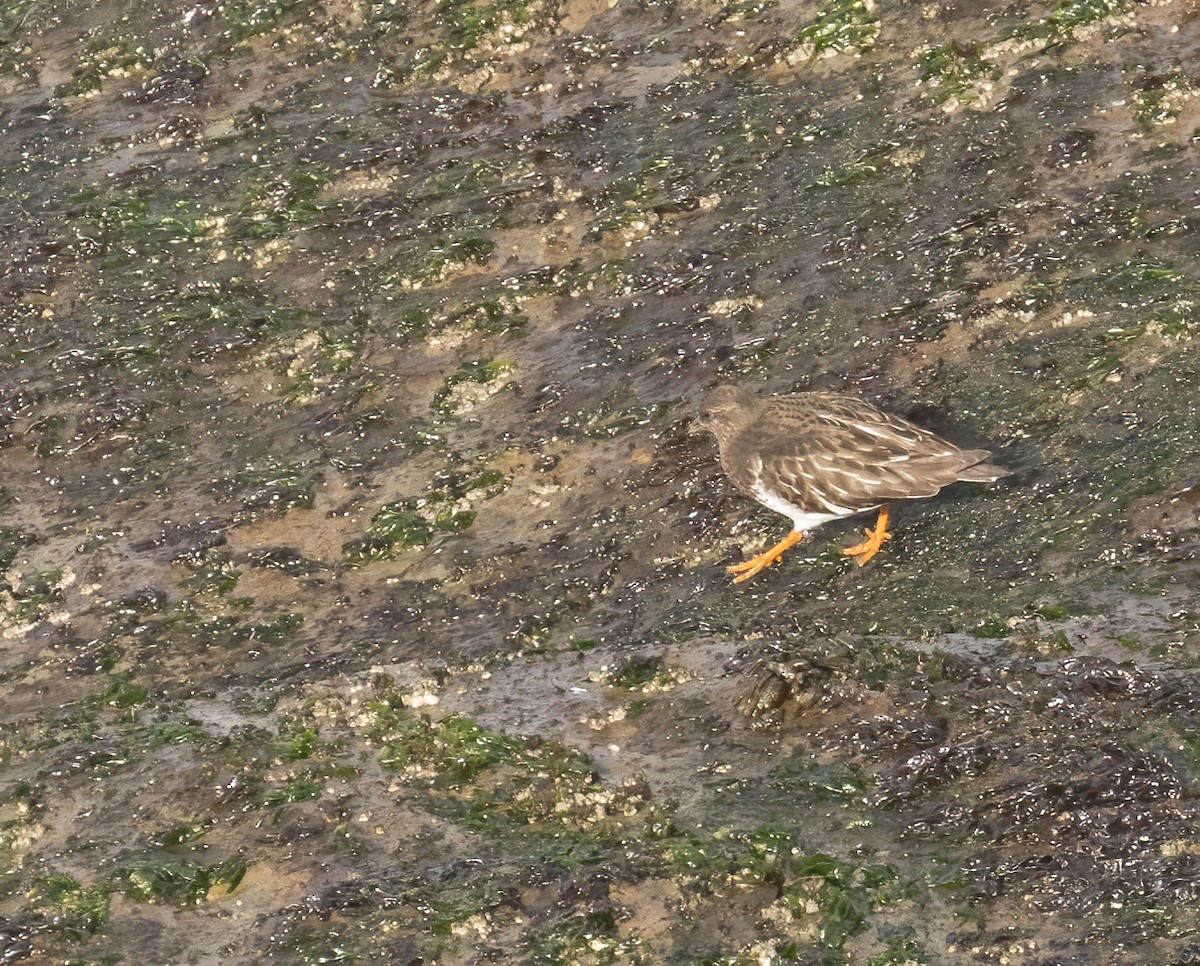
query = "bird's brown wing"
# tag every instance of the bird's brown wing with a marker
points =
(846, 454)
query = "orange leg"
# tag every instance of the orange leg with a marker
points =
(752, 566)
(868, 548)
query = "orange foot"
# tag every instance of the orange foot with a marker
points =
(752, 566)
(875, 538)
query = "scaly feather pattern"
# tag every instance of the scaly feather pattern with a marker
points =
(825, 453)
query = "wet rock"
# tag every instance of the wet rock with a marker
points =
(189, 540)
(175, 79)
(1104, 678)
(289, 560)
(1074, 147)
(88, 657)
(637, 787)
(16, 942)
(259, 272)
(1120, 778)
(900, 734)
(148, 600)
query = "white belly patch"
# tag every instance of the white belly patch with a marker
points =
(801, 520)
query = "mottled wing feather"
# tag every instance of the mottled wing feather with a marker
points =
(845, 455)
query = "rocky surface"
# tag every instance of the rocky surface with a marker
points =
(363, 593)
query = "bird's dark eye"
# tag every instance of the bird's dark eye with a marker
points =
(705, 414)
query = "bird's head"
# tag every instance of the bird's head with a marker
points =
(725, 410)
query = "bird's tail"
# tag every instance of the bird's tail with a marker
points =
(981, 471)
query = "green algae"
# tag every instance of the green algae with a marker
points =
(28, 598)
(126, 720)
(748, 9)
(830, 900)
(394, 526)
(493, 314)
(297, 763)
(992, 627)
(638, 674)
(70, 906)
(388, 16)
(214, 576)
(638, 707)
(491, 310)
(1158, 99)
(246, 19)
(102, 58)
(123, 694)
(270, 633)
(138, 222)
(852, 174)
(447, 507)
(448, 399)
(465, 23)
(840, 27)
(1053, 644)
(845, 894)
(456, 748)
(276, 205)
(302, 745)
(535, 631)
(15, 56)
(489, 782)
(605, 425)
(821, 783)
(1080, 466)
(1067, 16)
(17, 804)
(900, 949)
(1131, 642)
(317, 362)
(450, 254)
(586, 937)
(953, 72)
(288, 793)
(274, 489)
(160, 876)
(182, 835)
(626, 201)
(50, 434)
